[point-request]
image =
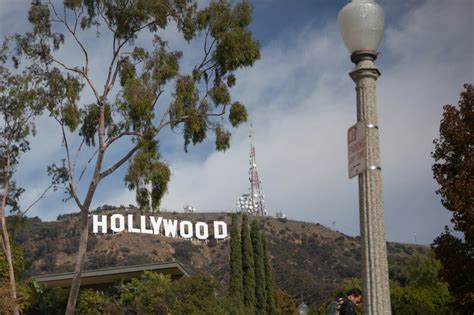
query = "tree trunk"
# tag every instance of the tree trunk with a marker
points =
(81, 255)
(6, 238)
(8, 255)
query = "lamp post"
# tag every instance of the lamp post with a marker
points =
(361, 25)
(302, 309)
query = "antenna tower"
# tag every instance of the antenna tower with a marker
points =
(254, 201)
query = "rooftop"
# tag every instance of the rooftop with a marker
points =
(114, 274)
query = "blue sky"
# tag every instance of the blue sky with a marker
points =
(301, 101)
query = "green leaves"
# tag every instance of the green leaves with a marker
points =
(127, 72)
(90, 122)
(235, 264)
(61, 97)
(259, 260)
(238, 114)
(154, 293)
(235, 50)
(220, 94)
(235, 46)
(145, 168)
(59, 174)
(71, 116)
(39, 16)
(222, 139)
(20, 103)
(147, 295)
(248, 268)
(228, 46)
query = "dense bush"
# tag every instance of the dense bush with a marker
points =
(93, 302)
(415, 287)
(51, 301)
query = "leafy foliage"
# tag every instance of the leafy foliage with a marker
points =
(454, 167)
(248, 268)
(284, 304)
(258, 258)
(419, 300)
(7, 303)
(270, 303)
(18, 263)
(19, 105)
(259, 273)
(415, 287)
(235, 262)
(48, 300)
(146, 167)
(454, 172)
(422, 292)
(93, 302)
(457, 261)
(155, 294)
(197, 295)
(148, 295)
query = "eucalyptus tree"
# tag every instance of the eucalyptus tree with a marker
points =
(19, 105)
(138, 67)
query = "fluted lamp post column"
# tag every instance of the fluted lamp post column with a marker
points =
(361, 24)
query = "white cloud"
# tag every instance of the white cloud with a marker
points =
(301, 102)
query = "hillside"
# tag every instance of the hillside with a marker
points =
(308, 259)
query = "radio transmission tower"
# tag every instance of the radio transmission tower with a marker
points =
(254, 201)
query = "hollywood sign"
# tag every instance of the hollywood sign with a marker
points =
(157, 226)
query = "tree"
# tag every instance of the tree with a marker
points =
(18, 107)
(150, 294)
(138, 75)
(93, 302)
(268, 278)
(454, 171)
(155, 294)
(457, 261)
(248, 272)
(284, 304)
(197, 295)
(48, 300)
(259, 269)
(236, 281)
(8, 305)
(418, 289)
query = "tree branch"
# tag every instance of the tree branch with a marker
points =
(119, 163)
(108, 84)
(37, 200)
(125, 133)
(66, 67)
(73, 33)
(87, 164)
(77, 154)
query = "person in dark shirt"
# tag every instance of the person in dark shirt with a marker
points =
(354, 298)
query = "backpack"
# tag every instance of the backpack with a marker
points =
(334, 308)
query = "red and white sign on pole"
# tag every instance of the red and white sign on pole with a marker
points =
(356, 148)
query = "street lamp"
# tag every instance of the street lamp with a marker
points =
(361, 25)
(302, 309)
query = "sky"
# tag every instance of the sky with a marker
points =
(301, 101)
